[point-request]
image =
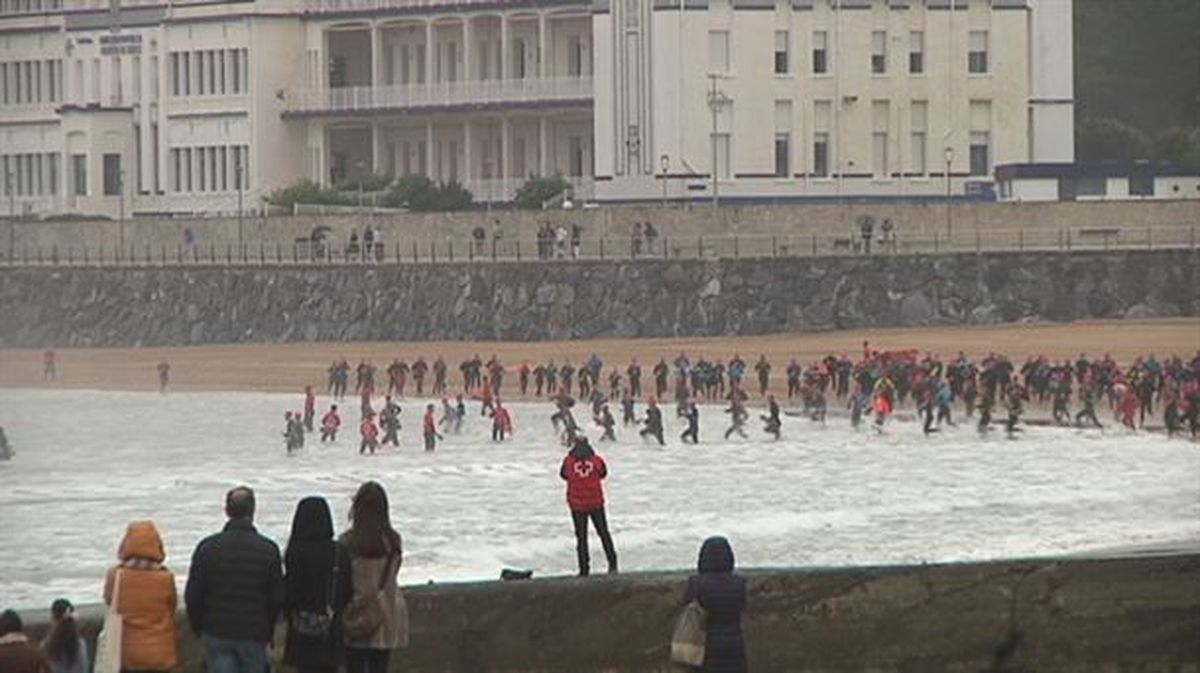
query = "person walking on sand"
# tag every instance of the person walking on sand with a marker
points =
(164, 376)
(584, 471)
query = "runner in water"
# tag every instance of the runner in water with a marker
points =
(164, 376)
(1088, 394)
(737, 415)
(6, 452)
(502, 424)
(523, 378)
(370, 435)
(49, 369)
(634, 373)
(605, 420)
(389, 422)
(419, 368)
(439, 377)
(773, 423)
(763, 369)
(692, 416)
(429, 428)
(653, 424)
(310, 408)
(330, 423)
(293, 432)
(1016, 397)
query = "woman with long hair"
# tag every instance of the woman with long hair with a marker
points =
(64, 647)
(376, 619)
(144, 592)
(317, 583)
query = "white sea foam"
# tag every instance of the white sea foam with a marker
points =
(89, 462)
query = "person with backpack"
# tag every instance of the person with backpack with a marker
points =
(142, 590)
(722, 595)
(316, 584)
(376, 618)
(584, 471)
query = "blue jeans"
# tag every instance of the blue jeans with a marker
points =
(234, 656)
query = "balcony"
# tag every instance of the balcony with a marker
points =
(439, 96)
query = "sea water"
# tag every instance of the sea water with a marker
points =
(88, 462)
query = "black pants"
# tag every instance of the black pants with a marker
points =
(600, 522)
(364, 660)
(693, 433)
(497, 433)
(656, 433)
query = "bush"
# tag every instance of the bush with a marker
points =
(420, 194)
(1108, 139)
(1180, 146)
(364, 182)
(537, 191)
(305, 191)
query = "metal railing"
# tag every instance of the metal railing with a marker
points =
(451, 250)
(478, 92)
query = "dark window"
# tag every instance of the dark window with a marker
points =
(916, 62)
(782, 155)
(820, 66)
(1141, 185)
(112, 174)
(821, 158)
(79, 174)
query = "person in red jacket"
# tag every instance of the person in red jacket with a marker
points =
(584, 470)
(429, 428)
(370, 434)
(502, 423)
(330, 423)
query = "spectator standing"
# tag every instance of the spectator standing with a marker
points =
(49, 368)
(635, 239)
(576, 239)
(317, 587)
(376, 555)
(17, 654)
(722, 594)
(146, 600)
(66, 650)
(560, 242)
(584, 471)
(368, 243)
(235, 590)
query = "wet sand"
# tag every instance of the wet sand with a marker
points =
(289, 367)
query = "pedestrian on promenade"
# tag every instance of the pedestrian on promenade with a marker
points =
(235, 590)
(722, 595)
(66, 650)
(142, 591)
(584, 471)
(376, 618)
(317, 587)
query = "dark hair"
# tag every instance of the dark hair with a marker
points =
(239, 503)
(62, 645)
(371, 523)
(312, 521)
(10, 622)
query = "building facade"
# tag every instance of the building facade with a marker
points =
(137, 107)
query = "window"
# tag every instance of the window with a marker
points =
(212, 73)
(783, 151)
(201, 80)
(574, 56)
(3, 84)
(977, 52)
(1091, 186)
(718, 51)
(724, 168)
(1141, 185)
(919, 112)
(51, 81)
(820, 55)
(878, 52)
(52, 163)
(118, 92)
(821, 154)
(221, 88)
(880, 111)
(916, 52)
(186, 161)
(79, 182)
(112, 175)
(185, 67)
(781, 52)
(980, 159)
(235, 68)
(175, 78)
(223, 163)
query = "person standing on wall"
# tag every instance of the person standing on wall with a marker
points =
(584, 471)
(144, 591)
(376, 618)
(234, 590)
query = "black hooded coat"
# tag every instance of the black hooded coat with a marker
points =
(308, 581)
(722, 594)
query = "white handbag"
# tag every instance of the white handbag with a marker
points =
(108, 642)
(688, 642)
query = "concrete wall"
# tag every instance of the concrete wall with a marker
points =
(1131, 615)
(561, 300)
(909, 218)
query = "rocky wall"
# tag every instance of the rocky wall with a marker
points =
(82, 307)
(1132, 615)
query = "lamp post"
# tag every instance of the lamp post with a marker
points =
(12, 213)
(716, 101)
(237, 171)
(121, 213)
(949, 153)
(665, 162)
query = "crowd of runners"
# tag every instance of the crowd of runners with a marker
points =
(871, 388)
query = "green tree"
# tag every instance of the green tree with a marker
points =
(1179, 146)
(420, 194)
(304, 191)
(537, 191)
(1108, 139)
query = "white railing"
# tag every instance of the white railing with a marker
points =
(321, 6)
(398, 96)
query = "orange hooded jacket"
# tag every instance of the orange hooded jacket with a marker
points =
(147, 601)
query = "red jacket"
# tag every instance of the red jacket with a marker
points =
(331, 421)
(584, 471)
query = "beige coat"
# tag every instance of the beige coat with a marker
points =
(365, 576)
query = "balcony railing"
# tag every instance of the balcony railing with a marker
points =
(440, 94)
(323, 6)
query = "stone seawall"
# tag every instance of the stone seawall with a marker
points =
(88, 307)
(1136, 615)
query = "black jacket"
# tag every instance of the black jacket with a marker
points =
(722, 594)
(308, 582)
(235, 585)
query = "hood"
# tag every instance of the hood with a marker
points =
(142, 541)
(312, 520)
(716, 556)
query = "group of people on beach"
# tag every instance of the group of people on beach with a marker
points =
(870, 388)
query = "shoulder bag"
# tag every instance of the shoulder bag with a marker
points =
(318, 624)
(108, 642)
(688, 642)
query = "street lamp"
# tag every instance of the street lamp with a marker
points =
(949, 152)
(12, 212)
(121, 214)
(665, 162)
(716, 100)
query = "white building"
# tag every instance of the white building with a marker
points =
(154, 106)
